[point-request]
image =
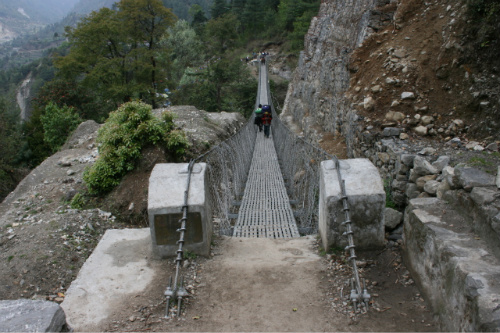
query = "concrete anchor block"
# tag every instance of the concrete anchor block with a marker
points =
(366, 198)
(167, 185)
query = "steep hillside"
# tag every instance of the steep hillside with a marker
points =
(27, 16)
(44, 241)
(406, 84)
(427, 52)
(418, 69)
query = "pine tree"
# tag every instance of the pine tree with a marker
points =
(219, 8)
(253, 15)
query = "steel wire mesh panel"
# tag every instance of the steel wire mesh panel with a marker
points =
(227, 170)
(300, 164)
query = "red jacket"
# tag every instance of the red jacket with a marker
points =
(266, 118)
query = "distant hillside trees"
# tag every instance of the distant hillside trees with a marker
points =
(10, 145)
(185, 48)
(117, 52)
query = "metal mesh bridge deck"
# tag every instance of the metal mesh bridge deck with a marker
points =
(265, 209)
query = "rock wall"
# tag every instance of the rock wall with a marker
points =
(315, 98)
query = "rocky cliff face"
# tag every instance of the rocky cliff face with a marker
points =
(394, 77)
(315, 97)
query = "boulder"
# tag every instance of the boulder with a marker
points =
(492, 146)
(468, 178)
(399, 185)
(448, 174)
(421, 130)
(483, 195)
(441, 162)
(391, 131)
(431, 187)
(412, 191)
(407, 95)
(407, 159)
(426, 120)
(25, 315)
(442, 189)
(427, 151)
(392, 218)
(423, 167)
(420, 182)
(368, 103)
(394, 116)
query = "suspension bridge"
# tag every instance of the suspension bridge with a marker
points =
(265, 194)
(253, 186)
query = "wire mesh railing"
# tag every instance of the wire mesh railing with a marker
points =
(300, 166)
(228, 164)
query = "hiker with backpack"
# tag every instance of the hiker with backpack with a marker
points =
(258, 117)
(266, 119)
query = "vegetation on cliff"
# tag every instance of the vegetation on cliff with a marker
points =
(121, 139)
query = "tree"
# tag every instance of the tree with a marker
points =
(197, 15)
(58, 123)
(237, 8)
(10, 144)
(115, 52)
(291, 10)
(219, 8)
(221, 34)
(253, 15)
(185, 48)
(149, 21)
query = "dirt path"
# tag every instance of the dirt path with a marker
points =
(276, 285)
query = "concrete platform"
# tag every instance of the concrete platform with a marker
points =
(118, 267)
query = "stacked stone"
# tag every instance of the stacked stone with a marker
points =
(452, 242)
(434, 179)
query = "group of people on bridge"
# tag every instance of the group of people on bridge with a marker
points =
(263, 118)
(256, 56)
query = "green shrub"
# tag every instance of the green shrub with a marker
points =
(78, 201)
(388, 194)
(121, 139)
(58, 123)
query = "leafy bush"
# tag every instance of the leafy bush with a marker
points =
(78, 201)
(58, 123)
(121, 139)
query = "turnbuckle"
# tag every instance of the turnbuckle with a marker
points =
(172, 293)
(169, 293)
